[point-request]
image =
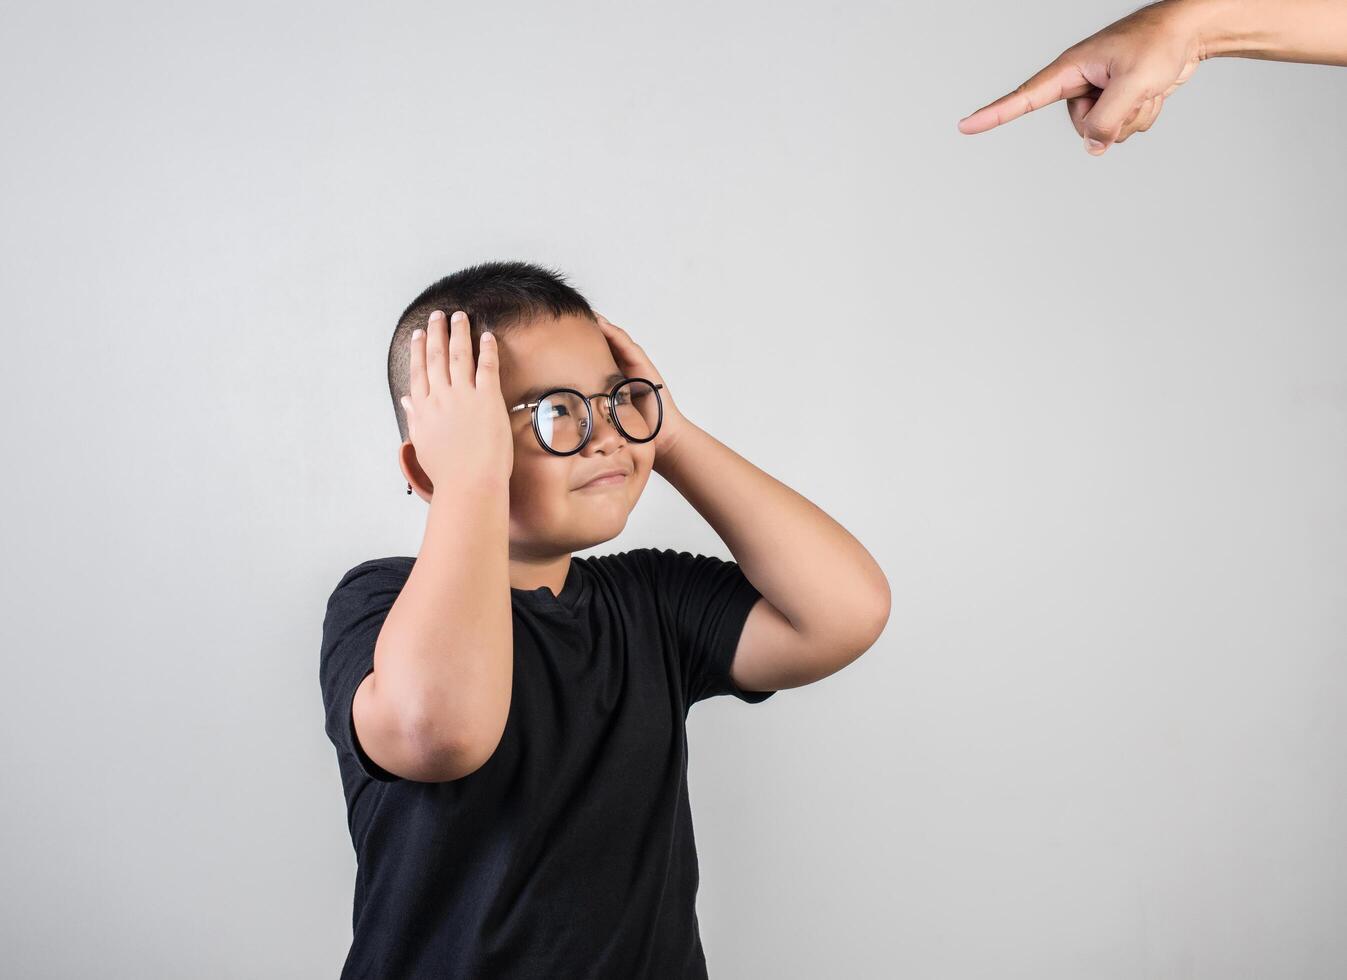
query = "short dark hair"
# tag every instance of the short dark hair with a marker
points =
(495, 295)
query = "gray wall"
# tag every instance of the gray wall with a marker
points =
(1089, 414)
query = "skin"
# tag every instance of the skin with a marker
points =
(1115, 81)
(506, 513)
(550, 517)
(825, 600)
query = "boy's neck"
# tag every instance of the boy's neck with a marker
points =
(549, 573)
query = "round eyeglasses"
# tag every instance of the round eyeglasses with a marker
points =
(563, 418)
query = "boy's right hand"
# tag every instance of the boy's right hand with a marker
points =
(456, 417)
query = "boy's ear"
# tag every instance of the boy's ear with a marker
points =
(411, 469)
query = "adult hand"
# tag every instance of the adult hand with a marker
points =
(1114, 82)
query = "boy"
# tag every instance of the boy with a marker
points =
(509, 719)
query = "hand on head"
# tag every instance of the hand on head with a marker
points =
(456, 418)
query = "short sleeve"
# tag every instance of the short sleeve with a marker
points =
(355, 614)
(708, 600)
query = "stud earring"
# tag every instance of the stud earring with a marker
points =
(409, 488)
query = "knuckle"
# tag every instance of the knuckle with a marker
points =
(1022, 91)
(1095, 130)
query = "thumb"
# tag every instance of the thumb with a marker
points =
(1119, 100)
(407, 414)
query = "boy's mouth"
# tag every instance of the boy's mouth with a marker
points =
(608, 478)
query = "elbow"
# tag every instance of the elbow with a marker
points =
(851, 632)
(872, 620)
(448, 764)
(447, 756)
(882, 615)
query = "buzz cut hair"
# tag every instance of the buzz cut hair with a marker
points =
(496, 296)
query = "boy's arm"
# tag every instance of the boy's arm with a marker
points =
(434, 708)
(825, 599)
(435, 704)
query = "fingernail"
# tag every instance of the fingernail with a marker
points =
(488, 335)
(1093, 146)
(436, 315)
(417, 332)
(459, 316)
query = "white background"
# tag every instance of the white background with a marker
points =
(1089, 414)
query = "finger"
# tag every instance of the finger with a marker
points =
(1158, 103)
(1149, 109)
(616, 335)
(460, 349)
(408, 410)
(1129, 125)
(1077, 108)
(488, 360)
(1114, 106)
(629, 353)
(417, 382)
(610, 327)
(630, 356)
(437, 339)
(1059, 80)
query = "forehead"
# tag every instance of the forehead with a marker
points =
(566, 352)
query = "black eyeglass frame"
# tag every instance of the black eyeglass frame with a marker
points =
(589, 409)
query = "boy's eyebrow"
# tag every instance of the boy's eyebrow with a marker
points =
(530, 394)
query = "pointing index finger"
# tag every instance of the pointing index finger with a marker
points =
(1059, 80)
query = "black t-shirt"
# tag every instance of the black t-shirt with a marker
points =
(570, 852)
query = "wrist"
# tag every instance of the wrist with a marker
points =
(668, 455)
(1221, 28)
(459, 487)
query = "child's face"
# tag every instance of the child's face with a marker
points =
(550, 513)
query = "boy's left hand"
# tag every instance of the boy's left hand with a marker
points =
(633, 361)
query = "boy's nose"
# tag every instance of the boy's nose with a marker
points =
(602, 410)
